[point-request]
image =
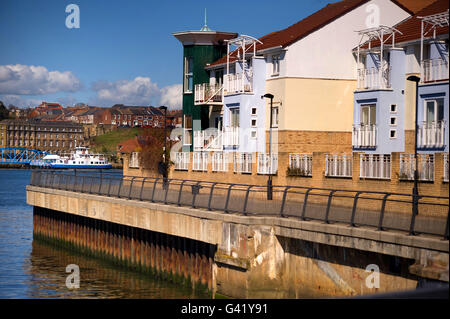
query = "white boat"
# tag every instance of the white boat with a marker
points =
(81, 158)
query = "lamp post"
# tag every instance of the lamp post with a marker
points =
(164, 172)
(269, 181)
(415, 191)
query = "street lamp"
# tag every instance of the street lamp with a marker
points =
(164, 170)
(269, 181)
(415, 191)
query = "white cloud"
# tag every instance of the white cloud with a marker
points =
(19, 101)
(140, 91)
(34, 80)
(172, 96)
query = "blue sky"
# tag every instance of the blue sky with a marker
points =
(123, 52)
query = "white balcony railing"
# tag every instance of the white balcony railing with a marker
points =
(220, 162)
(187, 136)
(431, 135)
(373, 78)
(237, 83)
(200, 161)
(231, 136)
(300, 164)
(267, 164)
(181, 161)
(425, 167)
(376, 166)
(434, 70)
(214, 140)
(446, 168)
(210, 139)
(338, 165)
(243, 163)
(134, 160)
(364, 136)
(208, 94)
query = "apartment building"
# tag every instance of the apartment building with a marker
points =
(53, 137)
(309, 70)
(385, 100)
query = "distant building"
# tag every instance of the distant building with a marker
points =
(54, 137)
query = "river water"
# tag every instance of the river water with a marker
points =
(33, 269)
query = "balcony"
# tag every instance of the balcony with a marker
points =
(364, 136)
(431, 135)
(425, 167)
(215, 140)
(208, 94)
(376, 166)
(243, 163)
(300, 164)
(267, 164)
(374, 79)
(238, 83)
(181, 161)
(434, 70)
(338, 165)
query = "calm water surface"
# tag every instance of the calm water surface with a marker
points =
(32, 269)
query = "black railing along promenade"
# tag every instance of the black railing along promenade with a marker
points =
(380, 210)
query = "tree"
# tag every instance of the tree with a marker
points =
(4, 113)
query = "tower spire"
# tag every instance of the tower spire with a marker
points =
(205, 27)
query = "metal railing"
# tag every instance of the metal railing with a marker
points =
(377, 166)
(208, 94)
(243, 163)
(181, 161)
(374, 78)
(219, 161)
(200, 161)
(431, 135)
(425, 167)
(267, 164)
(378, 210)
(338, 164)
(364, 136)
(434, 70)
(300, 164)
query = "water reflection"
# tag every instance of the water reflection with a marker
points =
(34, 269)
(98, 278)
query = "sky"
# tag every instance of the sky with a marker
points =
(123, 51)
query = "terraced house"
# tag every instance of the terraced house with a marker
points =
(384, 101)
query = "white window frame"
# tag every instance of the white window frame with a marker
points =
(188, 75)
(395, 121)
(395, 134)
(275, 65)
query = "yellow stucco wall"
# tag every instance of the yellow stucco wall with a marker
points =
(313, 104)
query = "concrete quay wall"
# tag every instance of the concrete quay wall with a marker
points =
(261, 257)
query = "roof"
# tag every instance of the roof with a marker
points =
(317, 20)
(411, 27)
(414, 5)
(129, 146)
(301, 29)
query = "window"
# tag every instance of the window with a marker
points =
(393, 120)
(188, 74)
(234, 113)
(393, 133)
(434, 111)
(275, 118)
(368, 114)
(393, 108)
(253, 110)
(253, 134)
(253, 122)
(275, 64)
